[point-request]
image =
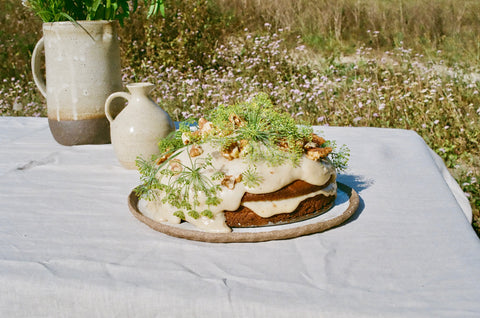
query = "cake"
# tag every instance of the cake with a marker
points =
(245, 165)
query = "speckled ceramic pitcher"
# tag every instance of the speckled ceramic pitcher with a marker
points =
(139, 127)
(82, 63)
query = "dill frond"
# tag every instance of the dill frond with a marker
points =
(180, 215)
(338, 157)
(251, 178)
(194, 214)
(207, 213)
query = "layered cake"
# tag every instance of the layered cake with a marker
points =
(242, 166)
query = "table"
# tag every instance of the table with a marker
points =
(69, 247)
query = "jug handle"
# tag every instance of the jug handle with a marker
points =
(110, 99)
(37, 77)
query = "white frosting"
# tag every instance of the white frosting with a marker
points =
(272, 179)
(267, 209)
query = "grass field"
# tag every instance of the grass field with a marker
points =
(401, 64)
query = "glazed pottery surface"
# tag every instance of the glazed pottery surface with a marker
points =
(82, 65)
(139, 127)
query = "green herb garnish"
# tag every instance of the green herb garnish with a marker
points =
(338, 157)
(251, 178)
(267, 134)
(184, 186)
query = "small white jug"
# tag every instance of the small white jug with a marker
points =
(136, 131)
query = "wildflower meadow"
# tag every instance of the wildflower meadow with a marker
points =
(204, 53)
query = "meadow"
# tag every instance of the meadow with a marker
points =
(398, 64)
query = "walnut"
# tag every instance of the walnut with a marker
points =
(239, 178)
(310, 145)
(231, 152)
(175, 165)
(283, 145)
(195, 151)
(162, 158)
(204, 126)
(318, 140)
(229, 182)
(185, 138)
(318, 153)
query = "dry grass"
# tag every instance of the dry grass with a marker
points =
(350, 19)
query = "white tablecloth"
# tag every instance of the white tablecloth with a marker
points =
(69, 247)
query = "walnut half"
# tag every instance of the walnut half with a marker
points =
(230, 181)
(195, 150)
(318, 140)
(175, 165)
(204, 126)
(318, 153)
(231, 152)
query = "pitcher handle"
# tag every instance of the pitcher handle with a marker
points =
(36, 61)
(110, 99)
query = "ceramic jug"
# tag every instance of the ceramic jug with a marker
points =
(82, 66)
(139, 127)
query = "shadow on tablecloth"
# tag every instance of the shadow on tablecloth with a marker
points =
(357, 183)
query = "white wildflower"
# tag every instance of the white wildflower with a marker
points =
(17, 106)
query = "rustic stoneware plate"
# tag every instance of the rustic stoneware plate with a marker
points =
(345, 206)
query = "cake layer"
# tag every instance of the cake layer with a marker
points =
(311, 207)
(292, 190)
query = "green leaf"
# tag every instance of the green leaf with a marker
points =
(75, 10)
(154, 7)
